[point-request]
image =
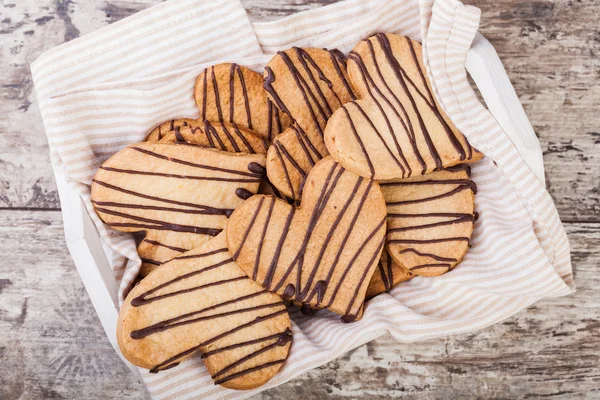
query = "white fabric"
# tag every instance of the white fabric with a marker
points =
(104, 91)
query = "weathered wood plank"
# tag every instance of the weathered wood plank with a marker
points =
(549, 47)
(52, 345)
(550, 50)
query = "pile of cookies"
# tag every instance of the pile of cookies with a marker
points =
(326, 182)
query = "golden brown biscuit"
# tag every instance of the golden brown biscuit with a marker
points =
(286, 167)
(322, 253)
(430, 220)
(203, 302)
(398, 129)
(179, 194)
(308, 85)
(220, 136)
(166, 127)
(388, 275)
(232, 93)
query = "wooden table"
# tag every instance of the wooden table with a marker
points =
(52, 345)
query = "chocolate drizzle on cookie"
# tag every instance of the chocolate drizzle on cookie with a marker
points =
(290, 282)
(421, 240)
(217, 135)
(232, 135)
(239, 93)
(234, 307)
(257, 172)
(235, 69)
(165, 364)
(306, 74)
(302, 145)
(124, 206)
(166, 127)
(387, 272)
(275, 127)
(398, 103)
(174, 249)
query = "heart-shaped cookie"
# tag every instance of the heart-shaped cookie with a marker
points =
(430, 220)
(387, 275)
(308, 85)
(232, 93)
(398, 129)
(203, 302)
(219, 135)
(179, 194)
(322, 253)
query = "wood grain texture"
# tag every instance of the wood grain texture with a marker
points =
(52, 345)
(550, 49)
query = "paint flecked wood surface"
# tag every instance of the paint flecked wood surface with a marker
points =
(52, 345)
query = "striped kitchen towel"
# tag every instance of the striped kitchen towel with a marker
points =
(104, 91)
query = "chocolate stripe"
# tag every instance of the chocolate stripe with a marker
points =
(198, 178)
(156, 224)
(444, 265)
(282, 341)
(196, 165)
(304, 57)
(428, 241)
(249, 370)
(165, 364)
(326, 243)
(245, 237)
(431, 198)
(216, 92)
(316, 215)
(205, 210)
(175, 322)
(211, 133)
(155, 198)
(192, 289)
(404, 119)
(353, 260)
(382, 140)
(285, 170)
(210, 253)
(149, 261)
(359, 140)
(304, 142)
(204, 94)
(262, 239)
(291, 159)
(337, 57)
(368, 82)
(236, 69)
(143, 300)
(167, 324)
(287, 332)
(376, 254)
(467, 218)
(396, 68)
(429, 255)
(156, 243)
